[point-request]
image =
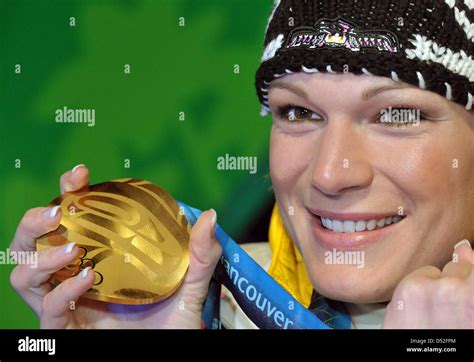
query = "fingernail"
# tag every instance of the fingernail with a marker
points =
(83, 274)
(76, 167)
(214, 217)
(54, 211)
(213, 222)
(465, 241)
(68, 248)
(50, 212)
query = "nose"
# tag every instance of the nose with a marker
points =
(341, 160)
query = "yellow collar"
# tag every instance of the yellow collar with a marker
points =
(287, 266)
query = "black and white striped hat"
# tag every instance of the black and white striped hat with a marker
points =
(427, 43)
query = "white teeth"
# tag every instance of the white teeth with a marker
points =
(360, 225)
(371, 225)
(324, 221)
(329, 221)
(337, 226)
(350, 226)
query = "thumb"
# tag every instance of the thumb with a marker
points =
(204, 253)
(463, 252)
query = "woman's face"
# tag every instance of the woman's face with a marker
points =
(332, 156)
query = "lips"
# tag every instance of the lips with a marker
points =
(350, 231)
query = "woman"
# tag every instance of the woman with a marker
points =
(372, 163)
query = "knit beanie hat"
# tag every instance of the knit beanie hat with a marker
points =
(426, 43)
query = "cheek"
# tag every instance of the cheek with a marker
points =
(425, 173)
(432, 177)
(289, 158)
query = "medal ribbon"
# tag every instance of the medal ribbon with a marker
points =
(262, 299)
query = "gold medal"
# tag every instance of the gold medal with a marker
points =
(131, 233)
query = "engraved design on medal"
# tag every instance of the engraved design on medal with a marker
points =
(131, 233)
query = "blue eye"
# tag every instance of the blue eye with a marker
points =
(291, 113)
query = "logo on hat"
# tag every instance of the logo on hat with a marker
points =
(341, 34)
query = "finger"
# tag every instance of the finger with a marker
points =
(460, 270)
(470, 278)
(30, 281)
(35, 222)
(204, 255)
(404, 309)
(427, 271)
(59, 303)
(50, 260)
(75, 179)
(463, 252)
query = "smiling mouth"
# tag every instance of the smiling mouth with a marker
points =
(349, 231)
(350, 226)
(355, 222)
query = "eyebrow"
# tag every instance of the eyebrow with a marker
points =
(368, 93)
(372, 92)
(289, 87)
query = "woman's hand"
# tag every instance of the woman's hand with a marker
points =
(61, 306)
(431, 298)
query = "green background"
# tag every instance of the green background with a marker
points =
(173, 69)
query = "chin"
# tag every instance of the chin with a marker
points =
(347, 283)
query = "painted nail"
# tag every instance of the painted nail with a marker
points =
(213, 223)
(462, 242)
(54, 211)
(214, 217)
(76, 167)
(50, 212)
(68, 248)
(83, 274)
